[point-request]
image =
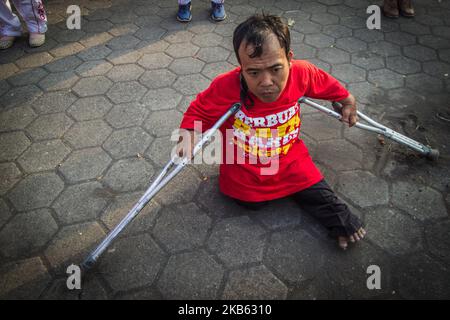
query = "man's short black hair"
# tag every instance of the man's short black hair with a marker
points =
(254, 31)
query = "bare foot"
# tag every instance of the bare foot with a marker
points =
(357, 236)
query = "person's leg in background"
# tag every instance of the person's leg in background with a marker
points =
(184, 11)
(9, 25)
(33, 13)
(321, 202)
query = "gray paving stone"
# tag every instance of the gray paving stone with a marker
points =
(422, 278)
(127, 142)
(213, 54)
(123, 273)
(194, 276)
(385, 49)
(87, 134)
(319, 40)
(123, 30)
(320, 127)
(123, 42)
(179, 37)
(36, 191)
(67, 49)
(160, 150)
(155, 79)
(214, 69)
(420, 53)
(339, 155)
(254, 283)
(294, 255)
(433, 42)
(54, 102)
(393, 231)
(400, 38)
(438, 240)
(28, 76)
(80, 238)
(162, 123)
(279, 214)
(207, 40)
(363, 188)
(237, 241)
(385, 78)
(51, 126)
(166, 98)
(303, 51)
(90, 108)
(366, 92)
(149, 33)
(126, 92)
(95, 53)
(9, 69)
(185, 66)
(368, 36)
(416, 82)
(59, 81)
(125, 72)
(97, 26)
(349, 73)
(191, 84)
(337, 31)
(80, 202)
(4, 87)
(5, 213)
(85, 164)
(9, 176)
(437, 69)
(182, 50)
(129, 175)
(414, 28)
(12, 144)
(120, 207)
(333, 55)
(351, 44)
(181, 189)
(43, 156)
(92, 86)
(416, 199)
(367, 60)
(324, 18)
(34, 60)
(93, 68)
(308, 27)
(127, 115)
(124, 56)
(97, 39)
(63, 64)
(354, 22)
(27, 232)
(349, 270)
(24, 279)
(184, 227)
(16, 118)
(402, 65)
(155, 60)
(152, 46)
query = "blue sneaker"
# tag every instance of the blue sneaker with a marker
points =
(184, 12)
(218, 11)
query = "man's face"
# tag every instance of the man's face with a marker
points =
(266, 76)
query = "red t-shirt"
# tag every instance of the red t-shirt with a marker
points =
(264, 131)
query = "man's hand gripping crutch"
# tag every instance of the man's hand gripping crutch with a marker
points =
(373, 126)
(163, 178)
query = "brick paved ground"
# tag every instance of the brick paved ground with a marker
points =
(76, 113)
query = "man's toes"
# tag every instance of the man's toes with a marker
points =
(352, 239)
(361, 233)
(343, 243)
(356, 236)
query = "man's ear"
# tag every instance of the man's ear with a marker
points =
(290, 56)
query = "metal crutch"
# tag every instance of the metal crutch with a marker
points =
(374, 126)
(163, 178)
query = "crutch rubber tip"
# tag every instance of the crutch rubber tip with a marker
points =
(433, 154)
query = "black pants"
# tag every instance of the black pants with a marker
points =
(321, 202)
